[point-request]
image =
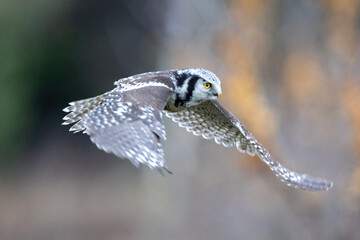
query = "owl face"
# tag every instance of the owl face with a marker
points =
(205, 90)
(196, 85)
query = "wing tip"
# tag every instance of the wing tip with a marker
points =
(160, 169)
(309, 183)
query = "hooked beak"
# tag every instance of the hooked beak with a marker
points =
(217, 93)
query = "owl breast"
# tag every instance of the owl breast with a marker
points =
(175, 104)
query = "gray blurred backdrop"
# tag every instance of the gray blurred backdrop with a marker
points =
(290, 71)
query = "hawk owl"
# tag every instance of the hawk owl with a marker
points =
(127, 121)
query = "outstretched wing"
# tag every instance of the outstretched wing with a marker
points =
(211, 120)
(127, 121)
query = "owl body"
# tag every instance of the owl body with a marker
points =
(128, 120)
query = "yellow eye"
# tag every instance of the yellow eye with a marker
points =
(207, 85)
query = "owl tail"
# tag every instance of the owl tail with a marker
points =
(79, 110)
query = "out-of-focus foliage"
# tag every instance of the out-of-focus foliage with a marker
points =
(289, 69)
(32, 61)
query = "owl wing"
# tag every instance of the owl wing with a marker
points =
(211, 120)
(127, 121)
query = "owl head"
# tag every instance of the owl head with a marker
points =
(196, 85)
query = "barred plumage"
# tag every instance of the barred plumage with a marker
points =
(127, 121)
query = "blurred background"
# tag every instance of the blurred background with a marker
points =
(290, 72)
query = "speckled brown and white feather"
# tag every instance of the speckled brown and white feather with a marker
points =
(127, 121)
(211, 120)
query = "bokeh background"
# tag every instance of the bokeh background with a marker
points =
(290, 71)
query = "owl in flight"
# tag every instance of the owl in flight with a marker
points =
(127, 121)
